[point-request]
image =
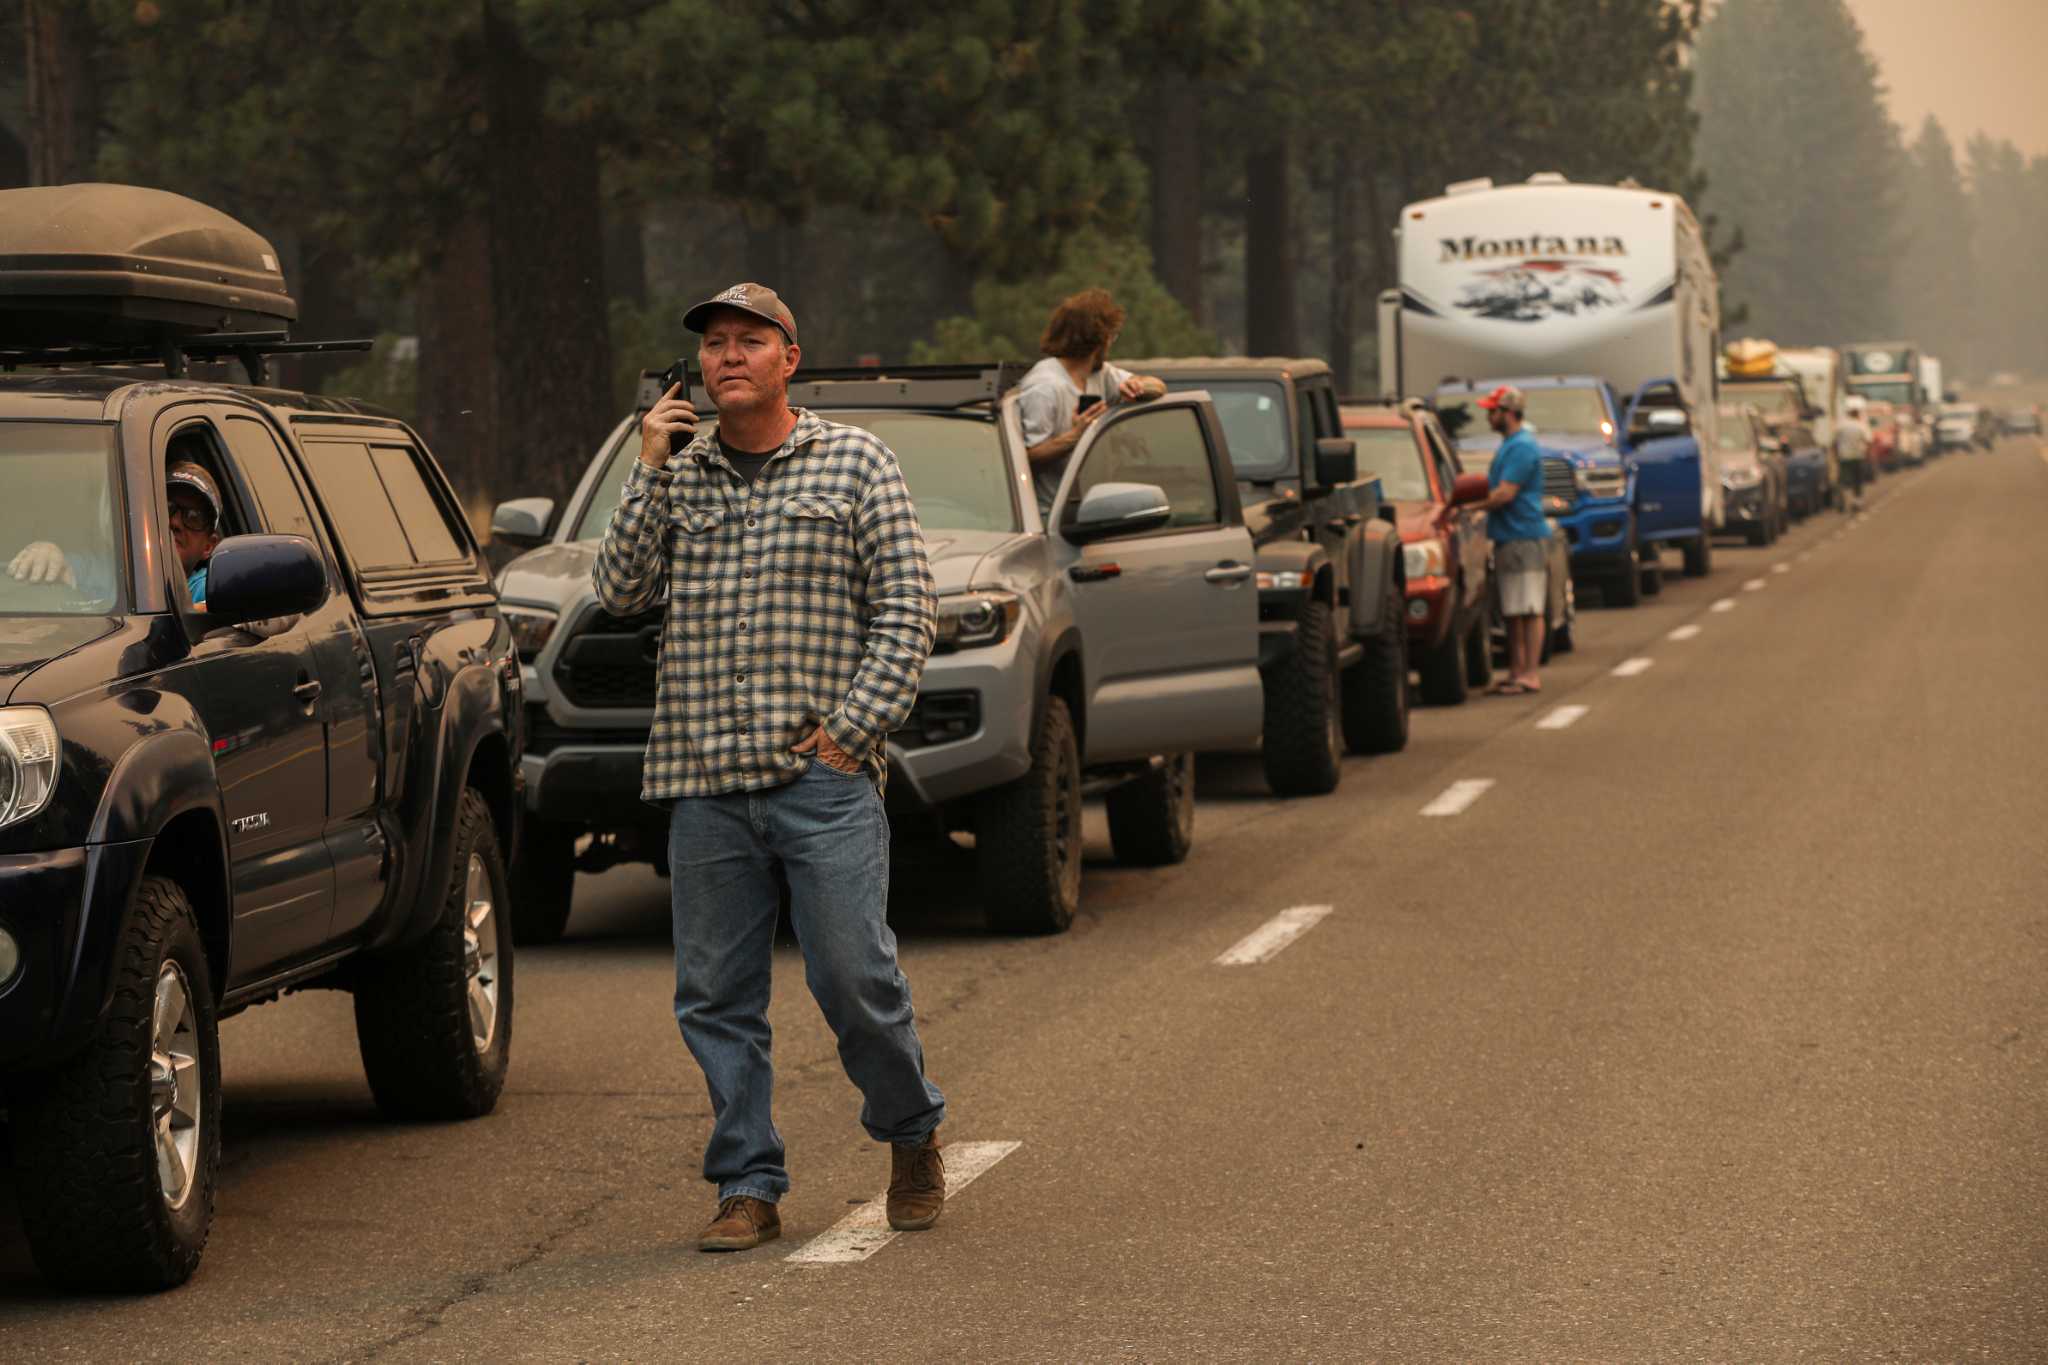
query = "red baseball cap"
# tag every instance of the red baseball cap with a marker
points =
(1506, 396)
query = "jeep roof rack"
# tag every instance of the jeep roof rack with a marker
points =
(251, 348)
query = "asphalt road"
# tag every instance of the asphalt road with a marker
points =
(1712, 1029)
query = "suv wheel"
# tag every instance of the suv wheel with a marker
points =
(1624, 588)
(1152, 817)
(1479, 655)
(1028, 837)
(1443, 673)
(545, 873)
(1699, 555)
(1653, 573)
(115, 1152)
(434, 1018)
(1376, 688)
(1304, 748)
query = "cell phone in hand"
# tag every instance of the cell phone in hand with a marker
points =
(678, 374)
(1088, 400)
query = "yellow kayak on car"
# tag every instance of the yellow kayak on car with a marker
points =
(1750, 358)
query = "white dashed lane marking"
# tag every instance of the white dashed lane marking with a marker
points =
(1458, 796)
(1265, 942)
(1628, 668)
(1753, 585)
(1781, 567)
(866, 1230)
(1725, 604)
(1562, 717)
(1683, 633)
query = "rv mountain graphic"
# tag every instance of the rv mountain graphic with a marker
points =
(1555, 277)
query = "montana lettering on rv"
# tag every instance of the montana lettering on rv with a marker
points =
(1491, 248)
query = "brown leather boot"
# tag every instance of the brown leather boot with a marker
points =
(917, 1184)
(741, 1222)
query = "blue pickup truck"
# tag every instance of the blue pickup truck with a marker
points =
(1623, 480)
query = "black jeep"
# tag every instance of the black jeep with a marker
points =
(297, 770)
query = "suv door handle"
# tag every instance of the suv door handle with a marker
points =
(308, 691)
(1227, 573)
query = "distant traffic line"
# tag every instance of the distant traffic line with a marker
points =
(1628, 668)
(1562, 717)
(1458, 797)
(1725, 604)
(1684, 633)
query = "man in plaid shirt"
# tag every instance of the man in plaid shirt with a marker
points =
(800, 614)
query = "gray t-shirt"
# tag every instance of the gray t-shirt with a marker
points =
(1047, 403)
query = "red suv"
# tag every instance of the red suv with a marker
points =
(1443, 541)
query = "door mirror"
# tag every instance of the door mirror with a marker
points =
(1660, 421)
(1469, 488)
(253, 577)
(1118, 509)
(522, 522)
(1336, 460)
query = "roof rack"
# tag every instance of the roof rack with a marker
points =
(253, 349)
(881, 386)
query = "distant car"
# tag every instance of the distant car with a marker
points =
(1811, 480)
(2023, 422)
(1443, 541)
(1956, 426)
(1987, 427)
(1753, 482)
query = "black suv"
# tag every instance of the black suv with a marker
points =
(1332, 588)
(306, 779)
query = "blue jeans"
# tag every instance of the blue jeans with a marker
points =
(828, 831)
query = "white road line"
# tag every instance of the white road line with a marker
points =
(866, 1230)
(1265, 942)
(1803, 556)
(1683, 633)
(1628, 668)
(1725, 604)
(1781, 567)
(1458, 796)
(1562, 717)
(1753, 585)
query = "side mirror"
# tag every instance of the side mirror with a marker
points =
(1118, 509)
(1661, 421)
(253, 577)
(1336, 460)
(522, 522)
(1469, 488)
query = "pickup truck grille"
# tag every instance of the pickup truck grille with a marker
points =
(1558, 481)
(612, 662)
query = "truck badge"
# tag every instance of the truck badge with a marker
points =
(249, 824)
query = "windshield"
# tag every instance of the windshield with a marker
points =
(953, 464)
(58, 548)
(1390, 455)
(1254, 415)
(1732, 434)
(1770, 400)
(1887, 393)
(1565, 411)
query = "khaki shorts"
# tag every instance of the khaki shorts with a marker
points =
(1519, 567)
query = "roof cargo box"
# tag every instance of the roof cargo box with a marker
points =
(117, 264)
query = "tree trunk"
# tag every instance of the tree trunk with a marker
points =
(1270, 316)
(625, 249)
(63, 96)
(1343, 269)
(1177, 192)
(515, 351)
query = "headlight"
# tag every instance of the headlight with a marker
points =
(1602, 483)
(1742, 476)
(28, 762)
(1281, 580)
(971, 619)
(1422, 559)
(531, 627)
(10, 958)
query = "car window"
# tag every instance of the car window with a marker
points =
(280, 506)
(355, 498)
(1447, 469)
(61, 492)
(955, 468)
(1254, 417)
(1308, 426)
(1389, 454)
(1163, 447)
(419, 511)
(1578, 411)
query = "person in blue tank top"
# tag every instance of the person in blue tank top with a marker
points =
(195, 522)
(1515, 523)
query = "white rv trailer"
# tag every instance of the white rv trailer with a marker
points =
(1821, 374)
(1552, 277)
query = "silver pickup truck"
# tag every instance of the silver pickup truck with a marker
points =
(1091, 651)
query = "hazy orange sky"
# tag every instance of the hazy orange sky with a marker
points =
(1977, 65)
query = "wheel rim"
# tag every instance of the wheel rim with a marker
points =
(480, 953)
(176, 1111)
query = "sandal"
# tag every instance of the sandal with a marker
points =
(1510, 688)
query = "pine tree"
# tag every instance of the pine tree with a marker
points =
(1936, 269)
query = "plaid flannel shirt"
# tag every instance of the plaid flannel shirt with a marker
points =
(803, 599)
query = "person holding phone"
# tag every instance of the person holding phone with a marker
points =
(799, 611)
(1069, 390)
